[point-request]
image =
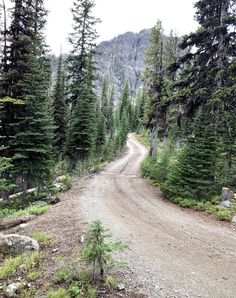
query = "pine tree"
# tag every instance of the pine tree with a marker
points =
(124, 117)
(111, 107)
(14, 65)
(101, 131)
(59, 110)
(105, 102)
(154, 74)
(193, 176)
(81, 136)
(204, 83)
(83, 42)
(82, 130)
(206, 87)
(32, 143)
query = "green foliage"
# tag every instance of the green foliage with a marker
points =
(11, 265)
(59, 293)
(187, 203)
(224, 215)
(144, 139)
(31, 210)
(82, 130)
(111, 282)
(33, 275)
(59, 110)
(158, 170)
(193, 174)
(67, 182)
(97, 251)
(92, 293)
(43, 239)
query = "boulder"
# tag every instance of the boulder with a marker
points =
(58, 187)
(226, 194)
(52, 200)
(226, 204)
(12, 289)
(234, 219)
(17, 244)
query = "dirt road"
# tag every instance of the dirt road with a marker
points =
(172, 252)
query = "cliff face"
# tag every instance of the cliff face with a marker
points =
(122, 59)
(119, 60)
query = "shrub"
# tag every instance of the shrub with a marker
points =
(43, 239)
(11, 264)
(67, 182)
(92, 293)
(224, 215)
(187, 203)
(60, 293)
(33, 275)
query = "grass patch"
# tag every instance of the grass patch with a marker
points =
(11, 265)
(33, 275)
(60, 293)
(43, 239)
(144, 139)
(31, 210)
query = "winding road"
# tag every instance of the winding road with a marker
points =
(172, 252)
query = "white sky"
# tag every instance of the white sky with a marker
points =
(120, 16)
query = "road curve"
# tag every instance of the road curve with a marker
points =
(172, 252)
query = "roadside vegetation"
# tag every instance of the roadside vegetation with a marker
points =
(84, 274)
(189, 111)
(158, 172)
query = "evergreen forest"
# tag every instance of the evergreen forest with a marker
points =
(91, 146)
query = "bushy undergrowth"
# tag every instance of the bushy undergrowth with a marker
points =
(36, 209)
(163, 172)
(11, 264)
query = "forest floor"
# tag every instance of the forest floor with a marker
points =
(172, 252)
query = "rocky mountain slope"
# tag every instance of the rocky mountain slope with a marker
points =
(122, 59)
(119, 60)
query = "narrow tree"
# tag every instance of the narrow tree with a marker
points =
(59, 110)
(154, 74)
(81, 136)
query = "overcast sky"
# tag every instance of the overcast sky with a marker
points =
(120, 16)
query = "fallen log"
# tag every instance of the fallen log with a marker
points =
(9, 223)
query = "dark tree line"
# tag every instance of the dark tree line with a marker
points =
(191, 103)
(40, 124)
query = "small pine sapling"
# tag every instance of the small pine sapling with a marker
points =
(98, 251)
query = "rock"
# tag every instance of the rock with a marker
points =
(58, 186)
(226, 204)
(226, 194)
(17, 244)
(59, 179)
(52, 200)
(12, 289)
(23, 226)
(120, 287)
(234, 219)
(82, 239)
